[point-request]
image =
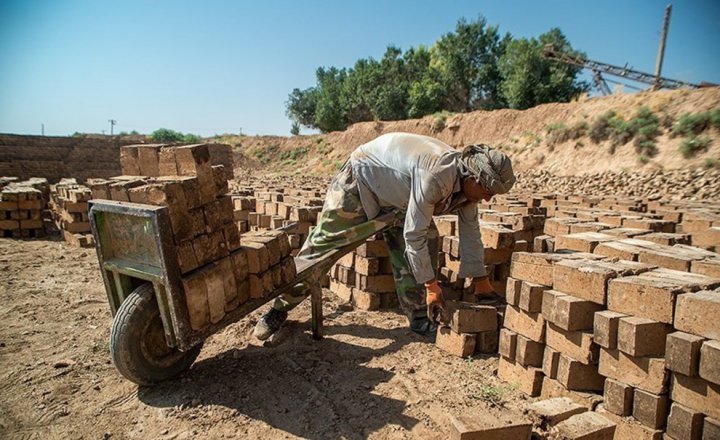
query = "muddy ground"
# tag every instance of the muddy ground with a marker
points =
(369, 378)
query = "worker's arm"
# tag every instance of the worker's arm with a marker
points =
(425, 191)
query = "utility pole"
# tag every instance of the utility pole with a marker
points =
(112, 124)
(42, 129)
(661, 50)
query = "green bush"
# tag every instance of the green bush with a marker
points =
(601, 127)
(690, 146)
(711, 164)
(691, 124)
(172, 136)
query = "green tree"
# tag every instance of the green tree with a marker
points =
(329, 114)
(529, 79)
(301, 106)
(295, 129)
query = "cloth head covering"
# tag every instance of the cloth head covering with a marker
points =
(491, 168)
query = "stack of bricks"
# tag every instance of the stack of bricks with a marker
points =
(21, 209)
(69, 205)
(499, 242)
(220, 269)
(523, 214)
(472, 329)
(364, 277)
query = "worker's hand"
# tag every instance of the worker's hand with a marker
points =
(435, 302)
(483, 287)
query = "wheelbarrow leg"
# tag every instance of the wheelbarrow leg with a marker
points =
(317, 312)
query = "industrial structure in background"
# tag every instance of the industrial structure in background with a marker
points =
(599, 68)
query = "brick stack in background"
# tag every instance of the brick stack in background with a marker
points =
(21, 209)
(69, 206)
(364, 277)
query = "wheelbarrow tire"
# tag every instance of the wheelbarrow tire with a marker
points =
(137, 341)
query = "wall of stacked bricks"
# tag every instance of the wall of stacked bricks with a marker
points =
(22, 206)
(57, 157)
(69, 207)
(623, 311)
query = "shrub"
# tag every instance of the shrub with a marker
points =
(439, 119)
(695, 123)
(711, 164)
(601, 127)
(690, 146)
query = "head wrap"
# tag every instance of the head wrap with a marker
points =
(491, 168)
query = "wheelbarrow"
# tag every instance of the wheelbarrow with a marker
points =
(151, 339)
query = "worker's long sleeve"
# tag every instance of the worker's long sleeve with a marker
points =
(471, 247)
(424, 193)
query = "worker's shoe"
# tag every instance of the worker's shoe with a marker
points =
(424, 327)
(269, 324)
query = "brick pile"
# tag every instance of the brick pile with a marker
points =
(364, 277)
(21, 208)
(472, 329)
(69, 207)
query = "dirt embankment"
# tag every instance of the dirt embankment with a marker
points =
(522, 134)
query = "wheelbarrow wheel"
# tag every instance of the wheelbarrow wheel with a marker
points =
(137, 341)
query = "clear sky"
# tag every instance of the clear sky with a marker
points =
(211, 67)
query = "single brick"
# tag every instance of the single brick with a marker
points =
(710, 361)
(642, 337)
(682, 353)
(605, 328)
(684, 423)
(651, 409)
(618, 397)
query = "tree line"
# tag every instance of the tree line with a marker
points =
(472, 68)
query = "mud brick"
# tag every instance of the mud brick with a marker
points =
(189, 185)
(256, 288)
(483, 426)
(343, 291)
(710, 268)
(618, 397)
(271, 242)
(528, 380)
(548, 305)
(528, 353)
(471, 318)
(650, 225)
(367, 265)
(710, 361)
(698, 313)
(364, 300)
(194, 160)
(629, 428)
(576, 344)
(530, 325)
(667, 239)
(240, 268)
(288, 270)
(129, 160)
(618, 249)
(148, 160)
(276, 275)
(35, 204)
(697, 394)
(215, 285)
(551, 358)
(196, 299)
(451, 246)
(573, 313)
(552, 388)
(646, 373)
(684, 423)
(209, 247)
(119, 190)
(485, 342)
(512, 291)
(496, 236)
(581, 242)
(375, 283)
(456, 344)
(669, 258)
(646, 296)
(186, 256)
(550, 412)
(586, 426)
(232, 237)
(373, 248)
(577, 376)
(214, 217)
(166, 162)
(508, 343)
(588, 279)
(711, 429)
(538, 268)
(682, 353)
(220, 178)
(531, 297)
(641, 337)
(348, 260)
(445, 224)
(605, 328)
(31, 224)
(302, 214)
(651, 409)
(345, 275)
(257, 257)
(230, 290)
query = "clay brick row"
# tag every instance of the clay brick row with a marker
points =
(69, 206)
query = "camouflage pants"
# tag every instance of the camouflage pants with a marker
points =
(342, 222)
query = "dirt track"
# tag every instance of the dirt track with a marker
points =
(369, 378)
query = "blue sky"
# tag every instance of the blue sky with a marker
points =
(210, 67)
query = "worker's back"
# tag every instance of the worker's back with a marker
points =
(389, 165)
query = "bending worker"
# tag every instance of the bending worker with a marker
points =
(416, 177)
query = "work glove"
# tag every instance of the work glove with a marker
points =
(483, 288)
(435, 302)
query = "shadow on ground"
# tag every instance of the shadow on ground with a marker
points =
(312, 389)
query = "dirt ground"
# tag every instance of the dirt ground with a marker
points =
(369, 378)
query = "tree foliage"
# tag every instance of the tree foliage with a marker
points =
(474, 67)
(171, 136)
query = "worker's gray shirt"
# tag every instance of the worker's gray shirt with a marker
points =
(418, 175)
